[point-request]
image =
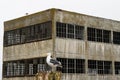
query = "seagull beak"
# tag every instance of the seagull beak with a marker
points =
(60, 66)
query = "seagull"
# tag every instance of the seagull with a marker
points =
(53, 63)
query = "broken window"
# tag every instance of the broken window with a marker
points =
(24, 67)
(41, 66)
(99, 67)
(10, 38)
(14, 68)
(30, 33)
(79, 32)
(92, 67)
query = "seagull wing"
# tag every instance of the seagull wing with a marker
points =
(55, 62)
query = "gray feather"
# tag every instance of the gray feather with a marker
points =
(55, 62)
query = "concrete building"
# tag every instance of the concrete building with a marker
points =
(87, 46)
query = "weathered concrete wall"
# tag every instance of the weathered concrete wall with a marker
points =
(70, 48)
(84, 49)
(89, 77)
(99, 51)
(116, 52)
(72, 77)
(20, 78)
(87, 49)
(28, 50)
(87, 21)
(28, 20)
(96, 51)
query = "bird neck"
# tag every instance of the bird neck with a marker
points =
(49, 57)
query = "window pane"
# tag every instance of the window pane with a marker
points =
(61, 29)
(116, 37)
(79, 32)
(99, 35)
(91, 34)
(106, 36)
(70, 32)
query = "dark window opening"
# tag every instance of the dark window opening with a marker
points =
(107, 67)
(80, 66)
(61, 29)
(92, 67)
(106, 36)
(24, 67)
(98, 35)
(17, 36)
(35, 32)
(65, 30)
(10, 37)
(72, 65)
(117, 67)
(116, 37)
(79, 32)
(70, 32)
(91, 34)
(15, 68)
(99, 67)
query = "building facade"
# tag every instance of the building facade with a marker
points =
(87, 46)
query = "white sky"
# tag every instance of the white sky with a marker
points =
(10, 9)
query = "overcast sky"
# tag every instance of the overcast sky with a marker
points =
(10, 9)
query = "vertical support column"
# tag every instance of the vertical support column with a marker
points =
(113, 67)
(86, 52)
(53, 29)
(53, 32)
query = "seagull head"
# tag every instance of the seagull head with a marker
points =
(48, 54)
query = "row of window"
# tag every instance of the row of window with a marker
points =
(43, 31)
(99, 67)
(94, 66)
(72, 65)
(72, 31)
(24, 67)
(35, 32)
(32, 66)
(69, 31)
(98, 35)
